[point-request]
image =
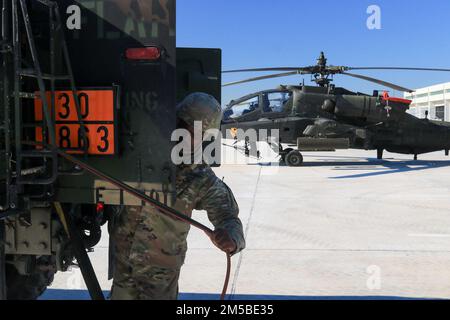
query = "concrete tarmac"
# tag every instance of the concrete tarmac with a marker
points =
(343, 226)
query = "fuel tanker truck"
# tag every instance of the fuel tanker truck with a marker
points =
(98, 81)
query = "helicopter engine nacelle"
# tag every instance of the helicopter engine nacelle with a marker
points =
(361, 109)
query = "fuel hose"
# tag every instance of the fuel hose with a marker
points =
(164, 209)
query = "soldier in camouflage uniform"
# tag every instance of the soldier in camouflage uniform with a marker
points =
(150, 247)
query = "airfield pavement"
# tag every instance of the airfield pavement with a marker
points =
(343, 226)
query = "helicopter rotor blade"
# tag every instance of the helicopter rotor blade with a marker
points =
(303, 69)
(270, 76)
(334, 69)
(395, 68)
(377, 81)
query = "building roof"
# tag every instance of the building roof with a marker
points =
(436, 91)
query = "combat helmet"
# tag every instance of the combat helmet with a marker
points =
(200, 106)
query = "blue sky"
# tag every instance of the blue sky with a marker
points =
(264, 33)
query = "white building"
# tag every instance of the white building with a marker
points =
(434, 99)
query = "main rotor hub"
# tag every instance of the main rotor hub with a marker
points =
(322, 61)
(321, 76)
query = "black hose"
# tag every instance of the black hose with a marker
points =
(142, 196)
(227, 277)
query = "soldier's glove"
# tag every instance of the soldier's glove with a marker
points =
(222, 240)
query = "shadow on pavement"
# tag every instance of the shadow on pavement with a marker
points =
(395, 167)
(377, 167)
(62, 294)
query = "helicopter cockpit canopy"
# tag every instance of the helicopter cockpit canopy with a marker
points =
(277, 101)
(262, 103)
(241, 108)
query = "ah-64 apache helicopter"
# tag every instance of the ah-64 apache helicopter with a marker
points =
(325, 117)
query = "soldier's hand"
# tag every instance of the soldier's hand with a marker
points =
(223, 241)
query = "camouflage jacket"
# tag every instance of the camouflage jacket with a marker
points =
(199, 188)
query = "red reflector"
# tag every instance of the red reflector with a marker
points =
(149, 53)
(100, 207)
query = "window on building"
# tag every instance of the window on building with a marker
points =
(439, 112)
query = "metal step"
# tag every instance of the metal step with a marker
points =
(27, 95)
(32, 73)
(34, 170)
(38, 153)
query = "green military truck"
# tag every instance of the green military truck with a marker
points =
(100, 80)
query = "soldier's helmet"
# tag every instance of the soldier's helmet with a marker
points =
(202, 107)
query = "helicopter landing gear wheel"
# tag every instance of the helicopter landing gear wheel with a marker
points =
(284, 153)
(294, 158)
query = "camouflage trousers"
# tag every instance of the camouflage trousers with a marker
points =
(149, 251)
